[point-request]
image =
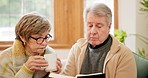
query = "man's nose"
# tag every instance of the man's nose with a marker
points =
(93, 29)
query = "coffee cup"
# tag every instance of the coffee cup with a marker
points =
(51, 59)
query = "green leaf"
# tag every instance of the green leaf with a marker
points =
(142, 52)
(144, 3)
(120, 35)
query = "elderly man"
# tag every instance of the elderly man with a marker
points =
(100, 52)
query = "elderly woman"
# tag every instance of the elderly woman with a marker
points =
(25, 58)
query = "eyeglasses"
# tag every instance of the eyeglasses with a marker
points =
(40, 40)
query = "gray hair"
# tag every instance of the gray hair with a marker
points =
(99, 9)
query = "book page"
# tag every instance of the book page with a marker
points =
(54, 75)
(94, 75)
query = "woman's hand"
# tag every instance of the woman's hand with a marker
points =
(36, 63)
(59, 66)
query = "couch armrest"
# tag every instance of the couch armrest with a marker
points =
(142, 66)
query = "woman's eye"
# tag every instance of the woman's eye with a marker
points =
(46, 37)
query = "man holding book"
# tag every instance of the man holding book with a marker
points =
(100, 52)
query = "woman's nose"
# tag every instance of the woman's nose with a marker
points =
(44, 42)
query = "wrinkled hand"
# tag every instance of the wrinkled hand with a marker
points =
(36, 63)
(59, 66)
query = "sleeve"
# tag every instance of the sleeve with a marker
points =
(8, 71)
(5, 71)
(127, 66)
(24, 72)
(70, 66)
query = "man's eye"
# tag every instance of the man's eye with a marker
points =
(99, 26)
(90, 25)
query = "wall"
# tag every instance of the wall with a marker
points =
(62, 53)
(127, 20)
(141, 27)
(133, 22)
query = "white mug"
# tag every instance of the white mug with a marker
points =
(51, 58)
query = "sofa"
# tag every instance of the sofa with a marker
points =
(142, 66)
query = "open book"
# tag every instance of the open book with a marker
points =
(95, 75)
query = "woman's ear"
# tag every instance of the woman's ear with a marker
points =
(23, 39)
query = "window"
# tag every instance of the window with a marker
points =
(12, 10)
